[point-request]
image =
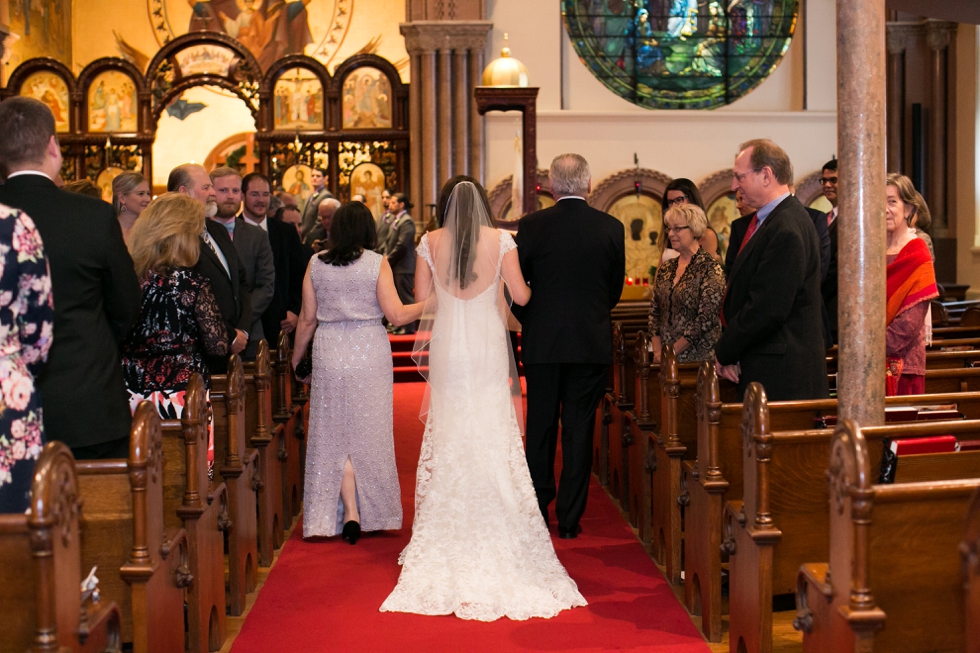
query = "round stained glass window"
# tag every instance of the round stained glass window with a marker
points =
(680, 54)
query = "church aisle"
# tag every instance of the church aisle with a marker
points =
(324, 595)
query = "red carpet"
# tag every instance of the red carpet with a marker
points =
(324, 596)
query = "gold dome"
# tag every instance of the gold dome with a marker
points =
(505, 71)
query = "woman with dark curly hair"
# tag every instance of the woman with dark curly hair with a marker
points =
(351, 480)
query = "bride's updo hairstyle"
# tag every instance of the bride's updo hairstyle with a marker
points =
(464, 239)
(351, 232)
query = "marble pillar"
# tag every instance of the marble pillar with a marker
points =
(938, 36)
(446, 131)
(861, 244)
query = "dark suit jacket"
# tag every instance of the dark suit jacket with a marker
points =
(400, 248)
(735, 236)
(574, 259)
(232, 293)
(741, 225)
(310, 216)
(772, 308)
(96, 301)
(829, 288)
(290, 262)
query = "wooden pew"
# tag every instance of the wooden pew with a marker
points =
(945, 381)
(897, 585)
(717, 476)
(782, 521)
(265, 438)
(623, 387)
(191, 501)
(639, 431)
(949, 332)
(236, 466)
(970, 552)
(287, 414)
(142, 565)
(42, 605)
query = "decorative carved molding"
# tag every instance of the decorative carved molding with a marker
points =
(900, 34)
(939, 33)
(715, 186)
(500, 195)
(612, 188)
(428, 36)
(809, 189)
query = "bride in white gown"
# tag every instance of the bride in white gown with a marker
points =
(479, 547)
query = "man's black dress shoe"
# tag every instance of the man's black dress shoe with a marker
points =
(352, 531)
(569, 533)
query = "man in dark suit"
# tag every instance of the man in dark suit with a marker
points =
(828, 180)
(219, 262)
(320, 193)
(288, 260)
(771, 312)
(96, 293)
(400, 251)
(574, 259)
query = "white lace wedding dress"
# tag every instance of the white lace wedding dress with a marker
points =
(479, 547)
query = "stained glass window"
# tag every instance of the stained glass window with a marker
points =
(680, 54)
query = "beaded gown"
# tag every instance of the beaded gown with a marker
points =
(350, 401)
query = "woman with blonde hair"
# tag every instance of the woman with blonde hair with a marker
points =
(911, 284)
(130, 196)
(179, 318)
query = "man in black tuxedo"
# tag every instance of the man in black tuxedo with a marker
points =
(773, 330)
(287, 257)
(96, 293)
(828, 181)
(574, 259)
(219, 262)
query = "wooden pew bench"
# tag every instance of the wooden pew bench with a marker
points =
(142, 565)
(782, 521)
(897, 581)
(42, 604)
(717, 476)
(192, 502)
(970, 553)
(235, 465)
(287, 414)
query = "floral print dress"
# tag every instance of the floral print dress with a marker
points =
(26, 325)
(689, 307)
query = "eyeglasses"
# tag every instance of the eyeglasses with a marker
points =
(676, 230)
(741, 177)
(677, 200)
(828, 180)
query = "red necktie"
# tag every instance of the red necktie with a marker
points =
(753, 225)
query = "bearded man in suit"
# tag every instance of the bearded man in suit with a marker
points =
(771, 313)
(96, 293)
(320, 193)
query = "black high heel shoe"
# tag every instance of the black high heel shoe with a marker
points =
(351, 532)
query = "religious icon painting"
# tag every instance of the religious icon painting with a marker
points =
(721, 214)
(641, 215)
(112, 103)
(51, 89)
(296, 182)
(680, 54)
(104, 181)
(510, 215)
(366, 99)
(298, 100)
(206, 60)
(368, 180)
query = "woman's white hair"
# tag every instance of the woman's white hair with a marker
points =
(569, 175)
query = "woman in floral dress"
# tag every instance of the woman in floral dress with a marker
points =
(26, 323)
(179, 319)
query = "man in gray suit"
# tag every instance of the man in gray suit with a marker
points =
(383, 224)
(400, 250)
(252, 246)
(320, 193)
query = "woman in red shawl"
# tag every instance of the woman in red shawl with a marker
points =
(911, 285)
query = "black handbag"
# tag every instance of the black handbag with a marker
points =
(304, 371)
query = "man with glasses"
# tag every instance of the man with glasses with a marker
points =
(828, 182)
(771, 312)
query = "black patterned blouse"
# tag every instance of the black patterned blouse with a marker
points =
(179, 322)
(691, 308)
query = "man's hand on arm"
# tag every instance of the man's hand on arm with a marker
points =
(238, 344)
(289, 324)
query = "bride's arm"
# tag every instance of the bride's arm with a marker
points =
(396, 312)
(510, 271)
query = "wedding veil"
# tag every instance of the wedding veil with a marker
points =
(462, 346)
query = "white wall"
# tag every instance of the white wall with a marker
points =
(965, 184)
(607, 129)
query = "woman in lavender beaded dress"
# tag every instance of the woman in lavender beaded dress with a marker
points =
(351, 480)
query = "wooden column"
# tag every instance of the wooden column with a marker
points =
(938, 36)
(861, 255)
(523, 99)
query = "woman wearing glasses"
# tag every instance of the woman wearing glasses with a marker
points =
(687, 292)
(684, 191)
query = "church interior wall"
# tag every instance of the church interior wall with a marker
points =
(965, 184)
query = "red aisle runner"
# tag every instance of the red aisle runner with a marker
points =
(324, 596)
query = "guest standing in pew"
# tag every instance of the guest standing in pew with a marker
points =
(84, 187)
(27, 319)
(737, 231)
(400, 252)
(771, 311)
(130, 197)
(680, 191)
(96, 293)
(351, 479)
(291, 217)
(687, 291)
(911, 286)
